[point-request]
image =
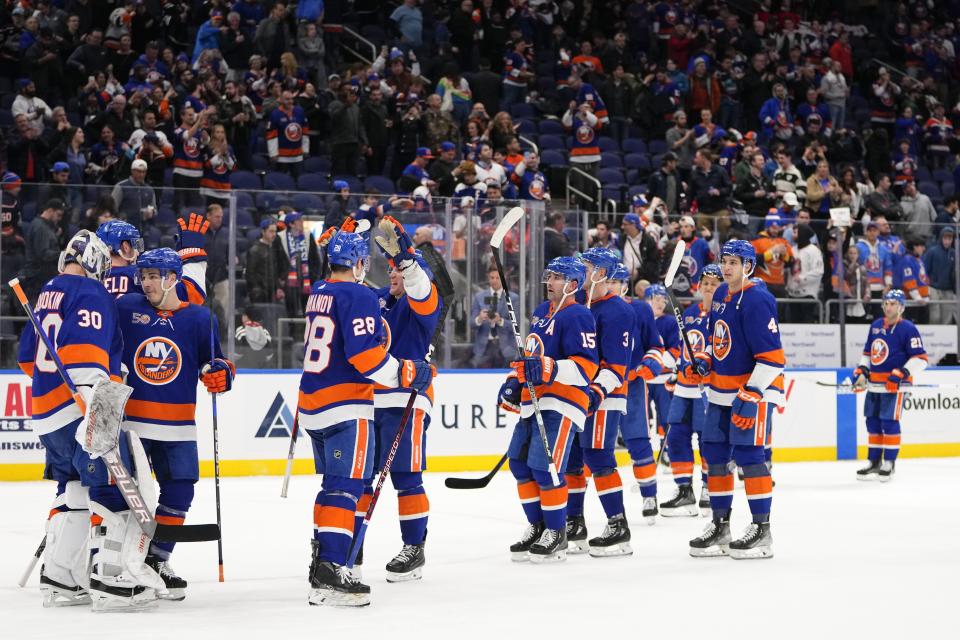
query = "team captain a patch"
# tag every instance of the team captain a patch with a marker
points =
(157, 361)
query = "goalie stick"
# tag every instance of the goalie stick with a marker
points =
(121, 476)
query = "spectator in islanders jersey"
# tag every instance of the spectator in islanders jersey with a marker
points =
(585, 149)
(188, 141)
(774, 254)
(516, 75)
(288, 139)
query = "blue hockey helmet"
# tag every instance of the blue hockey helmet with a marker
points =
(712, 270)
(346, 249)
(601, 258)
(638, 200)
(740, 249)
(896, 295)
(656, 289)
(115, 232)
(568, 267)
(164, 259)
(620, 273)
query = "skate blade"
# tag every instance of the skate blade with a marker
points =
(409, 576)
(635, 488)
(556, 556)
(613, 551)
(53, 598)
(756, 553)
(174, 595)
(356, 572)
(113, 604)
(688, 511)
(869, 478)
(650, 519)
(520, 556)
(331, 598)
(885, 478)
(577, 547)
(716, 551)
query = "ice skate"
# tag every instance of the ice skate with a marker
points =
(684, 504)
(754, 543)
(869, 472)
(176, 586)
(887, 469)
(704, 505)
(120, 580)
(614, 541)
(551, 547)
(576, 535)
(519, 551)
(407, 565)
(650, 510)
(57, 594)
(332, 585)
(713, 542)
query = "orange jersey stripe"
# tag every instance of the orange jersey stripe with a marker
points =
(774, 357)
(607, 482)
(572, 394)
(425, 307)
(413, 505)
(27, 368)
(576, 481)
(160, 410)
(334, 517)
(756, 486)
(51, 400)
(335, 393)
(555, 497)
(290, 153)
(589, 367)
(720, 484)
(367, 361)
(84, 354)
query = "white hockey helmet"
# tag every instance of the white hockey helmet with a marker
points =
(88, 251)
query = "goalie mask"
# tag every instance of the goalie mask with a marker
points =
(88, 251)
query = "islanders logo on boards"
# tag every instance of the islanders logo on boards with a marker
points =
(722, 342)
(879, 350)
(157, 361)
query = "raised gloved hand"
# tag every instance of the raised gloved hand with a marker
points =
(861, 378)
(745, 406)
(395, 244)
(218, 376)
(509, 395)
(650, 367)
(191, 241)
(416, 374)
(254, 333)
(595, 397)
(895, 379)
(349, 225)
(327, 236)
(536, 369)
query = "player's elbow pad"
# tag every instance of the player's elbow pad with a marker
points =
(569, 373)
(763, 376)
(607, 380)
(415, 282)
(915, 365)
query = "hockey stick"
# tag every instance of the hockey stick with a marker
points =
(475, 483)
(216, 452)
(905, 387)
(290, 452)
(395, 445)
(121, 476)
(505, 225)
(33, 563)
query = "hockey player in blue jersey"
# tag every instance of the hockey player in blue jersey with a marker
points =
(743, 367)
(893, 354)
(103, 564)
(594, 447)
(125, 245)
(646, 363)
(410, 307)
(661, 387)
(560, 360)
(687, 411)
(345, 356)
(167, 352)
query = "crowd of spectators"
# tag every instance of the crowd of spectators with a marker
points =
(823, 132)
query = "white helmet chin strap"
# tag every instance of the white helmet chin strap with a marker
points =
(566, 294)
(166, 289)
(362, 264)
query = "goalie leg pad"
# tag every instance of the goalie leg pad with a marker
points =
(65, 576)
(120, 581)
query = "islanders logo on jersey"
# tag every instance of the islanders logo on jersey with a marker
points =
(536, 188)
(722, 341)
(534, 345)
(879, 351)
(585, 134)
(157, 361)
(293, 131)
(387, 339)
(191, 147)
(697, 342)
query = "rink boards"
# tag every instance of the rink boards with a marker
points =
(469, 433)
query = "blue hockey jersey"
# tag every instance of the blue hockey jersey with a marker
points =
(80, 317)
(615, 321)
(646, 338)
(892, 346)
(745, 345)
(696, 322)
(164, 352)
(667, 328)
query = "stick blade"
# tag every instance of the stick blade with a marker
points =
(505, 225)
(466, 483)
(363, 226)
(675, 263)
(187, 532)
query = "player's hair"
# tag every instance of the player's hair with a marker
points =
(338, 268)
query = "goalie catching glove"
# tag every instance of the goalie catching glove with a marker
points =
(395, 244)
(218, 376)
(745, 407)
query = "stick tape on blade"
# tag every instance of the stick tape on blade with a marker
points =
(675, 263)
(505, 225)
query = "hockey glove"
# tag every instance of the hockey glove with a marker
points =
(535, 369)
(595, 397)
(650, 367)
(349, 225)
(327, 236)
(509, 396)
(896, 378)
(395, 244)
(416, 374)
(702, 362)
(745, 407)
(861, 378)
(255, 335)
(192, 238)
(218, 376)
(670, 384)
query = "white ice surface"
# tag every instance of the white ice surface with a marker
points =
(852, 559)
